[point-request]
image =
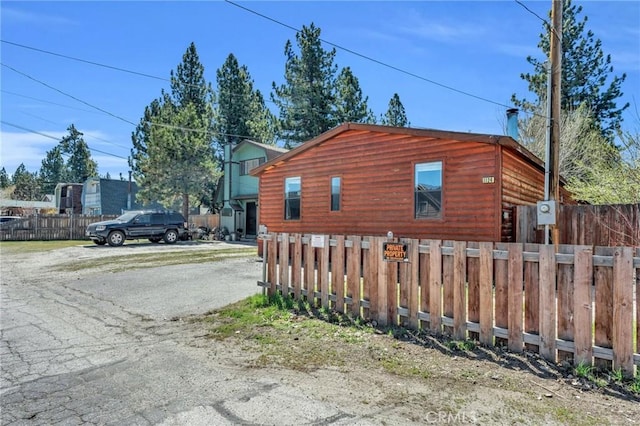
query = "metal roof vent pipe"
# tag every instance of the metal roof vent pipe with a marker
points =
(512, 123)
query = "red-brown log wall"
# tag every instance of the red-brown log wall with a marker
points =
(377, 172)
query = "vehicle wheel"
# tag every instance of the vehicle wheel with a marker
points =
(100, 243)
(155, 240)
(115, 238)
(171, 236)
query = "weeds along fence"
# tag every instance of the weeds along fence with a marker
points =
(69, 227)
(578, 304)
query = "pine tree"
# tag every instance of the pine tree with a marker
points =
(80, 166)
(306, 99)
(395, 115)
(586, 71)
(4, 179)
(53, 170)
(26, 185)
(172, 157)
(351, 106)
(241, 112)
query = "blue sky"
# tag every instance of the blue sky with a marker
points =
(476, 47)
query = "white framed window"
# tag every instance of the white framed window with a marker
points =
(336, 189)
(428, 190)
(247, 165)
(292, 198)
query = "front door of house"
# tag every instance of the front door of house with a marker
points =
(252, 218)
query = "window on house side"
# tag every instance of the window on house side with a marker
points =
(247, 165)
(428, 190)
(292, 196)
(335, 193)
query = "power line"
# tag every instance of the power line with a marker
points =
(57, 139)
(205, 131)
(66, 94)
(46, 102)
(98, 64)
(379, 62)
(547, 24)
(85, 61)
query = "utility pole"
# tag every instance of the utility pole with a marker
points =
(555, 56)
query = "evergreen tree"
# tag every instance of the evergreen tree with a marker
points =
(351, 106)
(306, 99)
(4, 179)
(80, 166)
(180, 161)
(395, 115)
(586, 71)
(26, 185)
(241, 112)
(172, 157)
(140, 137)
(53, 170)
(263, 125)
(188, 85)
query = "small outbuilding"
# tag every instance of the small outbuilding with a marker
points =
(363, 179)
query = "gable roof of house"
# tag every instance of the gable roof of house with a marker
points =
(506, 141)
(271, 151)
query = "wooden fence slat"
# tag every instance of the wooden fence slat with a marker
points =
(296, 267)
(501, 277)
(392, 292)
(623, 310)
(435, 286)
(486, 293)
(272, 265)
(582, 306)
(323, 272)
(603, 324)
(547, 267)
(382, 284)
(459, 290)
(447, 286)
(404, 271)
(424, 282)
(515, 293)
(565, 301)
(531, 292)
(473, 292)
(638, 292)
(283, 264)
(310, 270)
(371, 279)
(337, 272)
(353, 274)
(413, 283)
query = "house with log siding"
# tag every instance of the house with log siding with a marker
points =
(364, 179)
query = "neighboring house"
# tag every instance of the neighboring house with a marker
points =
(239, 191)
(108, 196)
(68, 198)
(361, 179)
(11, 207)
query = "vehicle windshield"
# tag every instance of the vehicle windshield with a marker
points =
(127, 216)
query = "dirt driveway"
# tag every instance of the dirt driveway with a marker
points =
(103, 344)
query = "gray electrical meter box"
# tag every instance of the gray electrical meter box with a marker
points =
(546, 212)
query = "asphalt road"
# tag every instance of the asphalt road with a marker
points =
(79, 348)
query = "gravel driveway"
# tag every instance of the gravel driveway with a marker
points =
(88, 347)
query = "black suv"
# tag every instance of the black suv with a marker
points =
(134, 225)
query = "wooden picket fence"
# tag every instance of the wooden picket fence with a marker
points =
(580, 303)
(71, 227)
(49, 227)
